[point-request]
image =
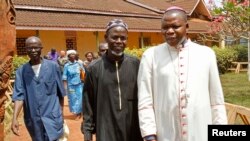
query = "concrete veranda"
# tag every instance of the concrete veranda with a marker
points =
(74, 127)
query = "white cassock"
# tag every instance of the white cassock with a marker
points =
(180, 92)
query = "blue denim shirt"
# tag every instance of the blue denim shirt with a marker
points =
(40, 96)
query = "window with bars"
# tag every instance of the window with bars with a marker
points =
(146, 42)
(71, 43)
(20, 46)
(70, 40)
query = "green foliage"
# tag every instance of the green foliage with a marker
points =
(17, 62)
(137, 52)
(242, 55)
(224, 58)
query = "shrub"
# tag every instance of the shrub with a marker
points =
(137, 52)
(242, 51)
(224, 58)
(17, 62)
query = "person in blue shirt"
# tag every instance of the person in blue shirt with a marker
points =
(38, 88)
(73, 84)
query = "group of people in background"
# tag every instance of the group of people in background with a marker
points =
(62, 58)
(70, 64)
(162, 97)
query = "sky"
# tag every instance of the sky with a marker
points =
(217, 2)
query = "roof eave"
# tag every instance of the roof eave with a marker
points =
(78, 29)
(145, 6)
(83, 11)
(20, 27)
(208, 12)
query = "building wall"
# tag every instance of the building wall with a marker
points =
(52, 39)
(24, 34)
(133, 40)
(156, 38)
(85, 40)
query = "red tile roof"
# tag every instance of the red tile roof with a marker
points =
(82, 22)
(115, 6)
(92, 15)
(85, 22)
(162, 5)
(198, 26)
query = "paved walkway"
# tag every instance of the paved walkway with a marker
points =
(74, 127)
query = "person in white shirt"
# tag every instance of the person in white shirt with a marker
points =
(180, 92)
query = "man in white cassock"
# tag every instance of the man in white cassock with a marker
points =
(180, 91)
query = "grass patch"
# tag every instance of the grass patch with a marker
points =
(236, 88)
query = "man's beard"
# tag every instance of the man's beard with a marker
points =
(116, 54)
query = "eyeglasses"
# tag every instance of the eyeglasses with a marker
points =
(103, 50)
(33, 48)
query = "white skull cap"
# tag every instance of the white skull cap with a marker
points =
(71, 52)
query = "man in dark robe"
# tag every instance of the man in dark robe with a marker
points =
(110, 98)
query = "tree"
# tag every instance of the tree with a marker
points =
(229, 22)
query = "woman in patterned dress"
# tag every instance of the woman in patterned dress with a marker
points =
(73, 84)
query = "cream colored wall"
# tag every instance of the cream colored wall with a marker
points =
(133, 38)
(156, 38)
(24, 34)
(55, 39)
(86, 41)
(52, 39)
(101, 37)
